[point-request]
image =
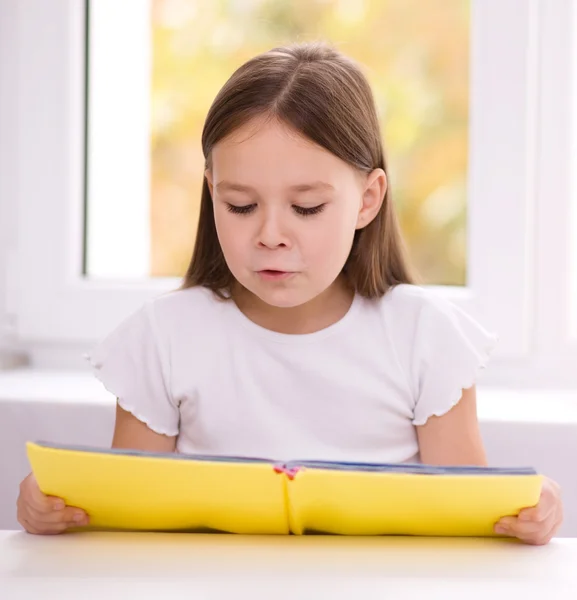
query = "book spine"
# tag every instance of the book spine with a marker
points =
(290, 472)
(291, 515)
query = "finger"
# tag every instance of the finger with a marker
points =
(34, 525)
(21, 517)
(40, 504)
(28, 526)
(537, 514)
(36, 529)
(69, 515)
(524, 530)
(541, 538)
(53, 509)
(540, 513)
(548, 506)
(557, 521)
(33, 495)
(55, 502)
(513, 527)
(530, 532)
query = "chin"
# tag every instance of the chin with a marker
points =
(282, 298)
(289, 294)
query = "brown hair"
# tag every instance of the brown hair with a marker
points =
(324, 96)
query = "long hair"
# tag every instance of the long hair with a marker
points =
(324, 96)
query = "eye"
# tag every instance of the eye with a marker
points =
(307, 212)
(240, 210)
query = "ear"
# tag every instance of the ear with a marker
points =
(209, 181)
(375, 187)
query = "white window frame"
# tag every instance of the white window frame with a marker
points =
(520, 188)
(54, 304)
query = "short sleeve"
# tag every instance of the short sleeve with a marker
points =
(449, 351)
(129, 364)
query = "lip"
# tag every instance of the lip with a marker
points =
(275, 275)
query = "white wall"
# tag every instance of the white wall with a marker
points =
(7, 72)
(8, 107)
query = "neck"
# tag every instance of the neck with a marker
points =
(319, 313)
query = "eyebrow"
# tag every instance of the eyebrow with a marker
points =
(314, 186)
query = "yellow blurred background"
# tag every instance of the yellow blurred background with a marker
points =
(416, 56)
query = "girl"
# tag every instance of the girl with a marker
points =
(298, 331)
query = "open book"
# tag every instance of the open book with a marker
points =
(133, 490)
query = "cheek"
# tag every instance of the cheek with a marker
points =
(332, 240)
(340, 228)
(230, 236)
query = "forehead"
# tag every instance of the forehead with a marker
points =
(261, 150)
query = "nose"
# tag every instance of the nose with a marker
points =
(271, 233)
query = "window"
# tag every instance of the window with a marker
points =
(498, 216)
(419, 72)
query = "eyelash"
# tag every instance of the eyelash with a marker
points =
(300, 210)
(240, 210)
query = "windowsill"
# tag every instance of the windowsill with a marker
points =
(52, 385)
(494, 404)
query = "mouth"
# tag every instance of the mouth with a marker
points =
(274, 275)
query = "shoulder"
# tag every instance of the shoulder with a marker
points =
(195, 306)
(190, 300)
(413, 296)
(439, 346)
(410, 315)
(409, 305)
(421, 323)
(170, 315)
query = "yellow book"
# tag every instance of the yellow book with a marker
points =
(134, 490)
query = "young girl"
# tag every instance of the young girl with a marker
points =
(298, 332)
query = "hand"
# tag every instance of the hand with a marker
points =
(45, 515)
(536, 525)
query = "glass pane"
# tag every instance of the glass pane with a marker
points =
(417, 57)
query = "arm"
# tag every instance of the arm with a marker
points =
(132, 434)
(454, 438)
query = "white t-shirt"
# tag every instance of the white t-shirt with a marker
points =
(191, 365)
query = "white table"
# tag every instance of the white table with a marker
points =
(140, 565)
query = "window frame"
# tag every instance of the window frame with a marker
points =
(519, 169)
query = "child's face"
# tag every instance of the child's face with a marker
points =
(286, 211)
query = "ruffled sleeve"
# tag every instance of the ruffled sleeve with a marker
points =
(450, 349)
(129, 363)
